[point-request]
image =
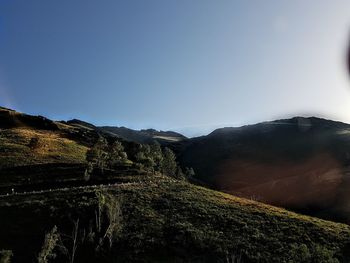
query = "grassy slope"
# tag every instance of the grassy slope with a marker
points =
(172, 221)
(17, 130)
(202, 223)
(162, 220)
(53, 148)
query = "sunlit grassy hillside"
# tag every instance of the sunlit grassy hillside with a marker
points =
(16, 149)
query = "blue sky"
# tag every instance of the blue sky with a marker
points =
(189, 66)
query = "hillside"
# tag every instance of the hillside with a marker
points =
(48, 209)
(37, 152)
(139, 136)
(144, 136)
(299, 163)
(164, 220)
(27, 140)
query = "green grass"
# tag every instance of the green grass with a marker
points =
(172, 221)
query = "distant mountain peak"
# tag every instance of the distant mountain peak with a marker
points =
(144, 135)
(297, 121)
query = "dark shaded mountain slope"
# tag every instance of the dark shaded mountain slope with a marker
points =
(299, 163)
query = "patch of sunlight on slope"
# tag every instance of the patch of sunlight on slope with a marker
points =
(343, 132)
(167, 138)
(52, 148)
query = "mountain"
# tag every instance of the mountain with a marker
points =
(144, 136)
(10, 118)
(139, 136)
(50, 211)
(299, 163)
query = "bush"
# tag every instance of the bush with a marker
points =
(5, 256)
(34, 143)
(313, 254)
(108, 219)
(50, 243)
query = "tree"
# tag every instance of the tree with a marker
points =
(97, 156)
(184, 174)
(69, 243)
(144, 157)
(168, 164)
(156, 155)
(116, 154)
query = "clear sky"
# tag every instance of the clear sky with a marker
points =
(184, 65)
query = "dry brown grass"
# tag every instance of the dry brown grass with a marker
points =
(52, 148)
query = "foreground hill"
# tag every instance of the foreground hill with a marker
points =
(162, 220)
(299, 163)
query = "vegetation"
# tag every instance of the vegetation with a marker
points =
(103, 155)
(116, 155)
(168, 164)
(21, 146)
(108, 219)
(136, 207)
(5, 256)
(151, 158)
(162, 220)
(34, 143)
(50, 242)
(97, 155)
(144, 158)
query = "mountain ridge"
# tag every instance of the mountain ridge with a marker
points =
(133, 215)
(264, 161)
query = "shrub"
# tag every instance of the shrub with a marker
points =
(5, 256)
(34, 143)
(189, 172)
(50, 242)
(108, 219)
